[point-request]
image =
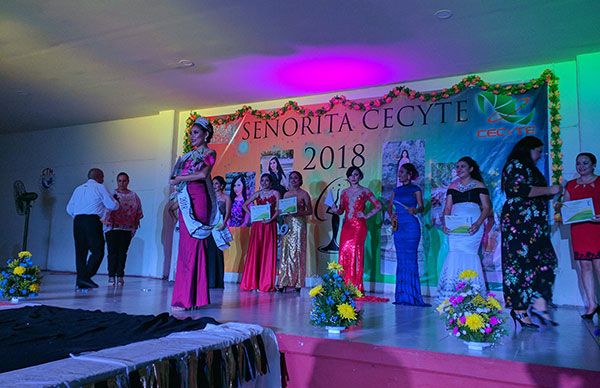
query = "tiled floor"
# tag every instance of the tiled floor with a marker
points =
(571, 344)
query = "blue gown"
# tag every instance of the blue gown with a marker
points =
(406, 240)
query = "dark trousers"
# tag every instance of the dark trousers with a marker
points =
(214, 264)
(87, 232)
(117, 242)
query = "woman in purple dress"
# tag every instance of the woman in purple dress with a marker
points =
(197, 215)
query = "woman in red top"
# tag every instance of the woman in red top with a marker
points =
(120, 227)
(585, 236)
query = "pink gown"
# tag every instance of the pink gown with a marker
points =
(261, 258)
(191, 283)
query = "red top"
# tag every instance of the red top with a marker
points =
(585, 236)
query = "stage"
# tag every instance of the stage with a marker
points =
(395, 345)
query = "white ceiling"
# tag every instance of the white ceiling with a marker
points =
(70, 62)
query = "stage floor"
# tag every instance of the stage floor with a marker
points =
(572, 344)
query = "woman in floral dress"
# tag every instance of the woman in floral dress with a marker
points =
(528, 258)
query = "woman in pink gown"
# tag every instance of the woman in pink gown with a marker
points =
(354, 230)
(261, 259)
(197, 211)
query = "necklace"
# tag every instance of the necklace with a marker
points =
(468, 186)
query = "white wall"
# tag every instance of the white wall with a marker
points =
(142, 147)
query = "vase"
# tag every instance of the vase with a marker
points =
(477, 345)
(335, 329)
(14, 299)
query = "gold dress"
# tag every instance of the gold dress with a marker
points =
(292, 267)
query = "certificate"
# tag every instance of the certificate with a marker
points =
(579, 210)
(329, 200)
(288, 205)
(260, 212)
(458, 224)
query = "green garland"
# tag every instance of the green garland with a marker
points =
(547, 77)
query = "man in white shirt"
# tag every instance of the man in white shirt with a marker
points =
(87, 205)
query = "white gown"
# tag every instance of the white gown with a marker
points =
(463, 253)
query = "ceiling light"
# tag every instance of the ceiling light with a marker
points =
(443, 14)
(182, 63)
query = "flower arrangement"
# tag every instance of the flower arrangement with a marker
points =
(333, 300)
(470, 316)
(20, 278)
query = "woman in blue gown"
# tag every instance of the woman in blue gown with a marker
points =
(405, 203)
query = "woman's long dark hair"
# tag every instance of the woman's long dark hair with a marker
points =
(280, 174)
(522, 153)
(476, 173)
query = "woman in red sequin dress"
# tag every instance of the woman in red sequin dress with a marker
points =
(260, 266)
(354, 230)
(585, 236)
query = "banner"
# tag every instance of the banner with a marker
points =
(430, 134)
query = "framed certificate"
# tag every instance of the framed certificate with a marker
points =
(260, 212)
(458, 224)
(288, 205)
(580, 210)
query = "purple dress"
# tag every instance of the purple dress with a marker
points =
(191, 284)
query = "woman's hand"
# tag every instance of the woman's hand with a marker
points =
(596, 218)
(412, 210)
(474, 228)
(555, 189)
(175, 180)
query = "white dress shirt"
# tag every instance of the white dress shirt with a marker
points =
(91, 198)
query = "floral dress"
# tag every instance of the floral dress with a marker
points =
(528, 258)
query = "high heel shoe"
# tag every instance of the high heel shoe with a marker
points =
(591, 315)
(518, 317)
(544, 317)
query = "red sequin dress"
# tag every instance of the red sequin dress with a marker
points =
(353, 236)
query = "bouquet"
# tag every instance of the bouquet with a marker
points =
(333, 300)
(470, 316)
(20, 278)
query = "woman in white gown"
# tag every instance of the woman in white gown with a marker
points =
(467, 197)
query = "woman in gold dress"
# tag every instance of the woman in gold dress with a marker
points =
(292, 266)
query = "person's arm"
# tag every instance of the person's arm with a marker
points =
(227, 210)
(275, 214)
(390, 208)
(447, 211)
(539, 191)
(308, 209)
(335, 209)
(107, 200)
(516, 177)
(376, 205)
(486, 208)
(201, 174)
(140, 213)
(249, 201)
(419, 208)
(71, 205)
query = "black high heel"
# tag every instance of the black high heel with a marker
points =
(518, 317)
(544, 317)
(591, 315)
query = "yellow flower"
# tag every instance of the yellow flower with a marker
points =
(478, 300)
(475, 322)
(493, 302)
(333, 266)
(34, 287)
(19, 270)
(315, 291)
(467, 274)
(442, 305)
(346, 311)
(24, 254)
